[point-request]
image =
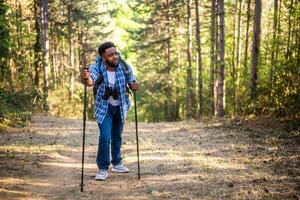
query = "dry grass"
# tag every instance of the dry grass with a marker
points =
(182, 160)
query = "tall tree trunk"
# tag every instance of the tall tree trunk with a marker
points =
(278, 30)
(45, 41)
(221, 53)
(245, 71)
(255, 48)
(274, 43)
(294, 36)
(212, 58)
(237, 59)
(216, 55)
(20, 49)
(298, 44)
(233, 71)
(82, 48)
(288, 51)
(169, 102)
(71, 51)
(54, 63)
(37, 44)
(189, 105)
(18, 23)
(198, 39)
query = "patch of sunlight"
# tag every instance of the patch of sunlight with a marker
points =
(170, 129)
(148, 142)
(195, 157)
(145, 130)
(217, 164)
(11, 181)
(31, 148)
(179, 177)
(46, 130)
(27, 181)
(69, 165)
(122, 1)
(14, 192)
(64, 158)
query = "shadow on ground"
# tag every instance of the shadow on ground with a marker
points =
(182, 160)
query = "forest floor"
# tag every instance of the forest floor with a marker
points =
(207, 159)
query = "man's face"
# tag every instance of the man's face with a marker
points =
(111, 56)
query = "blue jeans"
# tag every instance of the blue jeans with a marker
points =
(110, 133)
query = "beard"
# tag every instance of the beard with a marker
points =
(113, 64)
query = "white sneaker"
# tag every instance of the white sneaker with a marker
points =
(101, 175)
(120, 168)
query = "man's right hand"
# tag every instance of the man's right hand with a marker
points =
(85, 74)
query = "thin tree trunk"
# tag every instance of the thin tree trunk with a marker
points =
(216, 55)
(212, 58)
(168, 61)
(221, 76)
(80, 47)
(37, 44)
(274, 43)
(237, 59)
(71, 51)
(18, 23)
(54, 64)
(288, 51)
(255, 48)
(45, 62)
(198, 39)
(294, 30)
(189, 105)
(20, 48)
(85, 49)
(278, 29)
(298, 44)
(83, 45)
(247, 40)
(233, 72)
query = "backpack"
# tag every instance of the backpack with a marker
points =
(99, 81)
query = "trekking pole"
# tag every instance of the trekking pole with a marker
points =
(137, 136)
(83, 135)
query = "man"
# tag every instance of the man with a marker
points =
(111, 105)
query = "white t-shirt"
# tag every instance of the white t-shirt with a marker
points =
(111, 76)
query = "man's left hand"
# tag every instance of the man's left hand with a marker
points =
(134, 86)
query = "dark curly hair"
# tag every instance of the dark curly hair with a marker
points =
(104, 46)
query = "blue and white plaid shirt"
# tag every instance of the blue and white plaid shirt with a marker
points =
(123, 77)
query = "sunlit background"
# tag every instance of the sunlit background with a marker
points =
(153, 37)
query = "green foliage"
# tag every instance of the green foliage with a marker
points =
(286, 95)
(152, 37)
(61, 105)
(15, 109)
(4, 44)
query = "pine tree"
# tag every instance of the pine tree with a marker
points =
(255, 48)
(221, 53)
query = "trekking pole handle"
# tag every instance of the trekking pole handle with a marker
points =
(84, 80)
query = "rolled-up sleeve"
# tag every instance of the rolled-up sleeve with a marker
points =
(130, 77)
(94, 72)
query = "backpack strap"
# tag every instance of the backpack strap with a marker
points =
(100, 79)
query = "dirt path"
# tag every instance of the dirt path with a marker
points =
(182, 160)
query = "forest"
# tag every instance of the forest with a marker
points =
(192, 59)
(218, 108)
